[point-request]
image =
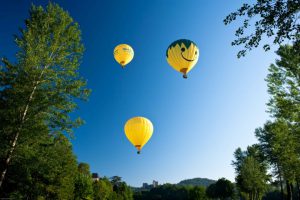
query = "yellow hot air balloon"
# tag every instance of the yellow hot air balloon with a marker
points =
(182, 55)
(123, 54)
(138, 131)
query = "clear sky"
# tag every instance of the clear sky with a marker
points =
(198, 122)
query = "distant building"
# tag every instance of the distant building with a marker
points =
(145, 186)
(150, 186)
(95, 176)
(154, 183)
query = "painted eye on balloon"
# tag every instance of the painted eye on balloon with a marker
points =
(196, 52)
(182, 49)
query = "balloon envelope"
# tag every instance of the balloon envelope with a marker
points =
(123, 54)
(138, 131)
(182, 55)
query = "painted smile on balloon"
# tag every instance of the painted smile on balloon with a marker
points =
(186, 58)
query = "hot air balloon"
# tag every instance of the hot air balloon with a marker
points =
(138, 131)
(182, 55)
(123, 54)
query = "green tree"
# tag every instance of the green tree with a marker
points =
(197, 193)
(284, 85)
(103, 189)
(44, 169)
(251, 179)
(251, 172)
(281, 150)
(279, 139)
(211, 191)
(121, 190)
(83, 183)
(272, 18)
(39, 91)
(84, 168)
(222, 189)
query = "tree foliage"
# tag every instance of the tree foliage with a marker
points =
(83, 183)
(173, 192)
(45, 169)
(222, 189)
(284, 85)
(279, 139)
(278, 19)
(37, 94)
(103, 189)
(251, 172)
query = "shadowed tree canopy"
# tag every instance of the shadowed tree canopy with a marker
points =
(279, 19)
(222, 189)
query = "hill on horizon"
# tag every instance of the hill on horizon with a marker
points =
(197, 182)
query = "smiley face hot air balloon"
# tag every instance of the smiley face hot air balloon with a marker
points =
(182, 55)
(138, 131)
(123, 54)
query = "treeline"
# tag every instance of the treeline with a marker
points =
(222, 189)
(99, 189)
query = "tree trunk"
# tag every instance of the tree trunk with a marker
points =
(251, 195)
(16, 137)
(298, 189)
(14, 143)
(289, 191)
(257, 195)
(292, 190)
(281, 187)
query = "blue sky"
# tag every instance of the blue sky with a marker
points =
(198, 122)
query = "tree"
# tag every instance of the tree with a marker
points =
(39, 91)
(197, 193)
(44, 169)
(211, 191)
(84, 168)
(251, 179)
(83, 183)
(222, 189)
(116, 180)
(121, 190)
(279, 139)
(284, 85)
(102, 189)
(274, 18)
(281, 150)
(251, 172)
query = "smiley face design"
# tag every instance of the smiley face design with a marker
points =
(182, 55)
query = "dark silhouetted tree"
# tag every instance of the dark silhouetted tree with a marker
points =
(278, 19)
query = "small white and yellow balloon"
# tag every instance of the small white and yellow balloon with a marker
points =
(182, 55)
(138, 131)
(123, 54)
